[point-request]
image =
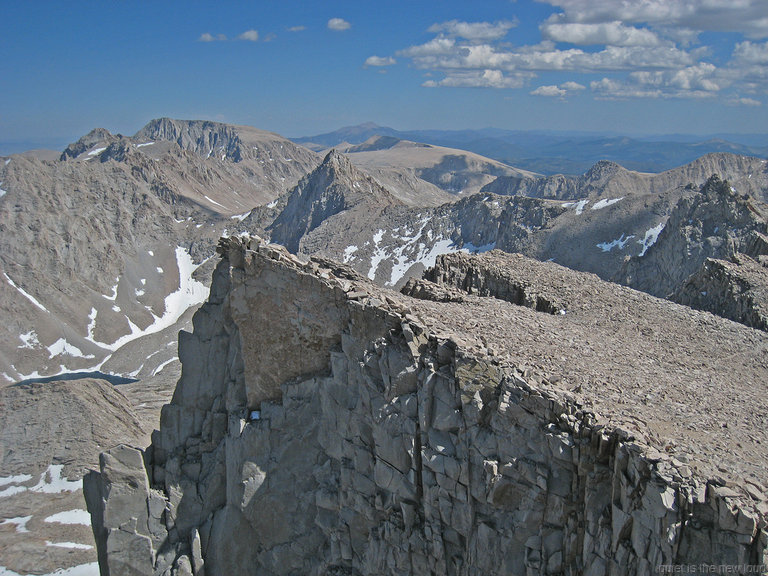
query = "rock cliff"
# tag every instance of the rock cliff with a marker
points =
(718, 222)
(323, 425)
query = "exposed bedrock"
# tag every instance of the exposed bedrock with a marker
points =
(320, 427)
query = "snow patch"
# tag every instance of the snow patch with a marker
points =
(91, 569)
(20, 521)
(52, 482)
(76, 516)
(348, 253)
(579, 205)
(159, 270)
(144, 144)
(10, 491)
(190, 293)
(91, 323)
(650, 237)
(96, 151)
(62, 347)
(241, 217)
(25, 294)
(618, 243)
(378, 255)
(113, 297)
(30, 340)
(73, 545)
(3, 192)
(159, 369)
(605, 202)
(214, 201)
(272, 204)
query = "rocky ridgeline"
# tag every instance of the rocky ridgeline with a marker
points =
(718, 222)
(737, 290)
(324, 426)
(748, 174)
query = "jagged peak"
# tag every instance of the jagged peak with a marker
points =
(96, 137)
(602, 169)
(200, 136)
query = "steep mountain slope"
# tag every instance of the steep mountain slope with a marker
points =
(99, 247)
(332, 188)
(718, 222)
(736, 289)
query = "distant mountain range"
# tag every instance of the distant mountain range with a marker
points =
(549, 153)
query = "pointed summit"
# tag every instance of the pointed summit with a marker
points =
(334, 186)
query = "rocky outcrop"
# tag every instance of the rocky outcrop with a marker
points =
(96, 138)
(333, 187)
(737, 290)
(717, 223)
(325, 426)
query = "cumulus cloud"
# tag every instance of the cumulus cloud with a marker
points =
(208, 37)
(585, 34)
(745, 16)
(297, 28)
(338, 24)
(751, 53)
(250, 35)
(482, 31)
(699, 81)
(647, 49)
(379, 61)
(743, 102)
(477, 79)
(549, 91)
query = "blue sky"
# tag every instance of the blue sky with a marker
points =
(300, 68)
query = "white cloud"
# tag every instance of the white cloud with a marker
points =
(743, 102)
(551, 91)
(746, 16)
(250, 35)
(473, 30)
(435, 47)
(208, 37)
(640, 49)
(609, 89)
(479, 79)
(612, 33)
(699, 81)
(297, 28)
(751, 53)
(379, 61)
(693, 78)
(338, 24)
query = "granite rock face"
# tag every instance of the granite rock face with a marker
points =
(718, 222)
(346, 435)
(735, 289)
